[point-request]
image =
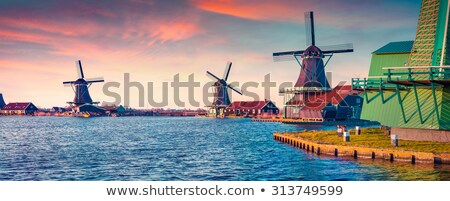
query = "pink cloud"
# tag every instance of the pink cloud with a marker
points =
(251, 9)
(50, 26)
(292, 11)
(174, 32)
(24, 37)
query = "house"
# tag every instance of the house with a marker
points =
(90, 109)
(341, 103)
(190, 113)
(58, 109)
(111, 109)
(251, 108)
(25, 108)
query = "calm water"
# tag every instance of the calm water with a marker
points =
(165, 148)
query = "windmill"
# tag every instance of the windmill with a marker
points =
(220, 87)
(312, 67)
(81, 86)
(311, 80)
(2, 102)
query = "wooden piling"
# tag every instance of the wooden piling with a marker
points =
(362, 152)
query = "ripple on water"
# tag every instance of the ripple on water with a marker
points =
(165, 148)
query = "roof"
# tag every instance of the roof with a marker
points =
(17, 106)
(311, 114)
(396, 47)
(257, 105)
(90, 108)
(319, 101)
(109, 107)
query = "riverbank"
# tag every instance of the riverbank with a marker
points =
(372, 144)
(354, 122)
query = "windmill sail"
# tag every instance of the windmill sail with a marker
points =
(341, 48)
(227, 71)
(95, 80)
(80, 69)
(212, 75)
(311, 41)
(309, 28)
(329, 49)
(235, 89)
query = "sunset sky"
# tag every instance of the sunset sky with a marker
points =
(154, 40)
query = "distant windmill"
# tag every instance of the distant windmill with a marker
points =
(81, 86)
(2, 102)
(312, 72)
(221, 98)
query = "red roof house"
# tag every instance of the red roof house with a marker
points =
(251, 108)
(24, 108)
(313, 106)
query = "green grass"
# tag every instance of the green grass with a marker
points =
(372, 138)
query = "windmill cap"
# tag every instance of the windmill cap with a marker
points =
(312, 51)
(80, 81)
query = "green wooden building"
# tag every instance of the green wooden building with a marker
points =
(408, 86)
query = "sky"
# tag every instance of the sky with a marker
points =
(155, 40)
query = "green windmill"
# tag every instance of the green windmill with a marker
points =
(408, 87)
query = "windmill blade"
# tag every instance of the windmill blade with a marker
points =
(289, 53)
(69, 82)
(227, 70)
(309, 28)
(212, 75)
(94, 80)
(286, 56)
(235, 89)
(341, 48)
(80, 69)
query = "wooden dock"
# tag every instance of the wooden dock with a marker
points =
(363, 152)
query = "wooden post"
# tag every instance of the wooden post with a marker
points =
(346, 136)
(358, 130)
(394, 140)
(340, 131)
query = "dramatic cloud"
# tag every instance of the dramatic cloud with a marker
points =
(252, 9)
(350, 13)
(174, 32)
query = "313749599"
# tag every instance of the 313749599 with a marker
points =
(307, 190)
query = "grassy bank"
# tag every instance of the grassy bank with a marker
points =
(371, 138)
